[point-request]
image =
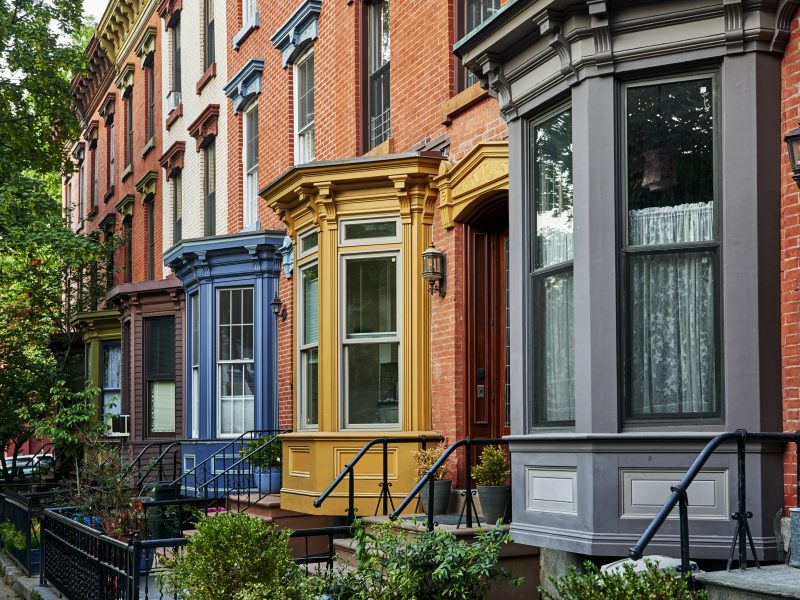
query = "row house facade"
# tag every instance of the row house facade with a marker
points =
(129, 313)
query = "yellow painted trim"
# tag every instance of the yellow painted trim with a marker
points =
(479, 176)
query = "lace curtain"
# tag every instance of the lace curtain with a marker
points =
(671, 312)
(112, 372)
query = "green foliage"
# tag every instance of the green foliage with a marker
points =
(652, 584)
(234, 556)
(262, 452)
(493, 468)
(428, 566)
(11, 537)
(427, 457)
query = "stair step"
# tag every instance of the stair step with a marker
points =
(766, 583)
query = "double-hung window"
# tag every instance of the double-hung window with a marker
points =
(95, 176)
(194, 307)
(475, 12)
(111, 153)
(235, 360)
(371, 339)
(81, 193)
(551, 275)
(208, 34)
(210, 188)
(151, 238)
(128, 231)
(177, 207)
(670, 250)
(249, 10)
(304, 109)
(150, 106)
(378, 44)
(176, 59)
(110, 377)
(159, 336)
(308, 302)
(251, 166)
(129, 127)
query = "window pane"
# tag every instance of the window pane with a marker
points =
(552, 181)
(371, 297)
(225, 307)
(670, 146)
(310, 305)
(555, 349)
(195, 308)
(309, 242)
(310, 368)
(478, 11)
(364, 231)
(160, 339)
(671, 331)
(162, 406)
(112, 365)
(372, 381)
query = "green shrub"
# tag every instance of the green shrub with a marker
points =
(234, 556)
(429, 566)
(262, 452)
(652, 584)
(493, 467)
(11, 537)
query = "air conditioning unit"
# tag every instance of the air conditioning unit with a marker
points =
(117, 425)
(173, 101)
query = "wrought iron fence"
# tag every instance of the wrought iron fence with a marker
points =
(23, 512)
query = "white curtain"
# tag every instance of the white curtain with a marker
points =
(671, 312)
(112, 370)
(559, 349)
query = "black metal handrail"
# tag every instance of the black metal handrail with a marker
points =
(469, 505)
(236, 470)
(349, 469)
(159, 462)
(679, 497)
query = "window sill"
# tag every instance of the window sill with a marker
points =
(210, 73)
(175, 114)
(246, 29)
(462, 101)
(109, 194)
(127, 172)
(92, 214)
(151, 143)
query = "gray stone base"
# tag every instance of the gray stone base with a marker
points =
(557, 563)
(776, 581)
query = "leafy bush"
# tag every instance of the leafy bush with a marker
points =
(427, 457)
(493, 468)
(428, 566)
(11, 537)
(262, 452)
(652, 584)
(234, 556)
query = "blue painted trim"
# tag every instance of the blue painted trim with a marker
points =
(287, 252)
(245, 85)
(240, 35)
(205, 266)
(299, 31)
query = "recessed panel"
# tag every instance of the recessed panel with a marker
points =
(299, 461)
(644, 493)
(551, 489)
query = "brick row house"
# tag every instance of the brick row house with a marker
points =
(602, 179)
(131, 322)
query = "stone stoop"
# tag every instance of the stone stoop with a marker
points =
(520, 560)
(766, 583)
(269, 509)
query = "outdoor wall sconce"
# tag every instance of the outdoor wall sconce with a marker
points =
(433, 269)
(792, 140)
(276, 306)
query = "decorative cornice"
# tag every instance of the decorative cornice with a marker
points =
(120, 23)
(125, 205)
(172, 160)
(298, 32)
(88, 89)
(146, 46)
(90, 134)
(551, 28)
(77, 151)
(245, 85)
(734, 26)
(109, 219)
(204, 128)
(601, 34)
(489, 70)
(146, 186)
(783, 24)
(109, 106)
(124, 80)
(168, 10)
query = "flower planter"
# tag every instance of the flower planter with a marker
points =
(494, 501)
(441, 496)
(267, 480)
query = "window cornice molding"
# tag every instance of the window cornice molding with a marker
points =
(125, 205)
(169, 10)
(124, 81)
(108, 107)
(172, 160)
(146, 185)
(146, 46)
(90, 135)
(245, 85)
(204, 128)
(298, 32)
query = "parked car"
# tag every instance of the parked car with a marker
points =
(31, 464)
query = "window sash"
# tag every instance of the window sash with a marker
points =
(251, 166)
(210, 187)
(151, 102)
(151, 239)
(235, 411)
(177, 207)
(95, 178)
(176, 57)
(111, 152)
(129, 129)
(208, 53)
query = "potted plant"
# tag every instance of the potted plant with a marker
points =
(491, 477)
(265, 456)
(441, 486)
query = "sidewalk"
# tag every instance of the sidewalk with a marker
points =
(15, 585)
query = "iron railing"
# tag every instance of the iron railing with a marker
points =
(23, 512)
(741, 535)
(309, 552)
(429, 477)
(166, 466)
(385, 497)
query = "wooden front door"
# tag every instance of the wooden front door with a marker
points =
(487, 332)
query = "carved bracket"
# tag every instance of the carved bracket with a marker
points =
(245, 85)
(172, 160)
(204, 128)
(601, 33)
(549, 23)
(489, 70)
(783, 24)
(734, 26)
(299, 31)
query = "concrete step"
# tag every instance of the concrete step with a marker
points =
(520, 560)
(766, 583)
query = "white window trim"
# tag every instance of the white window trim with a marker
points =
(301, 237)
(218, 386)
(296, 104)
(301, 347)
(248, 204)
(396, 239)
(344, 416)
